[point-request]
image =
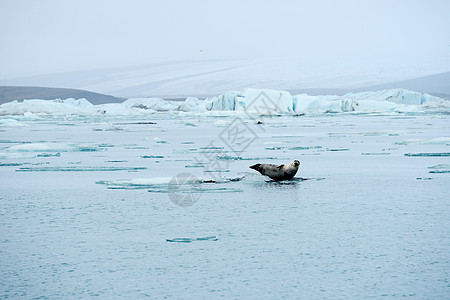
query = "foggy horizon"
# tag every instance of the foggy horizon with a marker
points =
(48, 37)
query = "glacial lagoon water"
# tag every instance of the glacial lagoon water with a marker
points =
(92, 208)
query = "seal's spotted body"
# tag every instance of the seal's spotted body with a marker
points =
(278, 173)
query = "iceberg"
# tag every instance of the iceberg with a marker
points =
(190, 103)
(255, 101)
(398, 96)
(45, 107)
(151, 104)
(249, 102)
(263, 101)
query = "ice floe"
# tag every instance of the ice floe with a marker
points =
(190, 240)
(438, 140)
(434, 154)
(79, 169)
(145, 183)
(53, 147)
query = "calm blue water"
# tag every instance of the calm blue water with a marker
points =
(369, 222)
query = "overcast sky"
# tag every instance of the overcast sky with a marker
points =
(39, 37)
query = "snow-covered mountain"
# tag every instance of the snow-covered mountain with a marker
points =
(11, 93)
(212, 77)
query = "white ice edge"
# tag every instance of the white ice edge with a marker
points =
(248, 103)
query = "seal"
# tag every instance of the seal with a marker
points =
(278, 173)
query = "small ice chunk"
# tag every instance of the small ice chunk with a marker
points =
(53, 147)
(440, 166)
(79, 169)
(428, 154)
(190, 240)
(438, 140)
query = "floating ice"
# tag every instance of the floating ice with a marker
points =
(151, 104)
(370, 133)
(270, 102)
(45, 107)
(305, 148)
(17, 155)
(145, 183)
(53, 147)
(211, 148)
(190, 240)
(428, 154)
(222, 123)
(164, 182)
(226, 157)
(191, 103)
(440, 166)
(266, 102)
(79, 169)
(275, 148)
(189, 189)
(49, 155)
(399, 96)
(11, 123)
(439, 140)
(247, 103)
(196, 165)
(10, 164)
(338, 149)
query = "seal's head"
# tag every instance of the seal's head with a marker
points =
(296, 163)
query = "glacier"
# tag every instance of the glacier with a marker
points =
(249, 102)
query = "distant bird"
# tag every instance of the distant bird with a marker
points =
(278, 173)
